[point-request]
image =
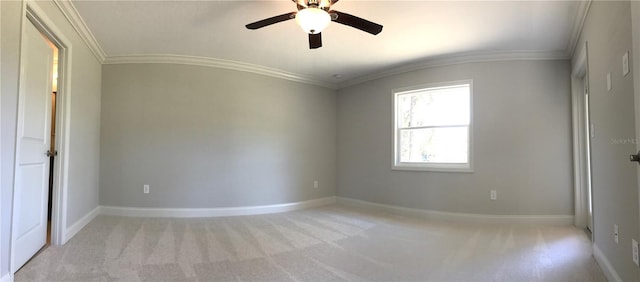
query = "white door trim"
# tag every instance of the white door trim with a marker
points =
(1, 265)
(33, 13)
(635, 71)
(579, 73)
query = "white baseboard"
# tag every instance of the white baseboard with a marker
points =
(7, 278)
(214, 212)
(81, 223)
(606, 266)
(462, 217)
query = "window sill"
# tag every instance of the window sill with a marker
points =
(454, 169)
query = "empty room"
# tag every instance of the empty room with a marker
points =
(319, 140)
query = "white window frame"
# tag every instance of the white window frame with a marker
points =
(440, 167)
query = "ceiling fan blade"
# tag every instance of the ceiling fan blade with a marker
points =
(356, 22)
(315, 40)
(272, 20)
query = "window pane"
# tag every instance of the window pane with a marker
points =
(434, 145)
(436, 106)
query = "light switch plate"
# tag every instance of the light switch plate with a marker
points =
(609, 81)
(625, 64)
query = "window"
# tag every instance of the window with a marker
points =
(432, 127)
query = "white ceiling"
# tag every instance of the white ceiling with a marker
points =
(414, 31)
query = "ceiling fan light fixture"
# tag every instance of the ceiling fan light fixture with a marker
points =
(313, 20)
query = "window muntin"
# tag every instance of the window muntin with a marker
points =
(433, 127)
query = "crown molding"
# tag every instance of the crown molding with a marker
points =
(578, 23)
(69, 11)
(239, 66)
(215, 63)
(460, 59)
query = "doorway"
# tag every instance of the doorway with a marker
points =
(53, 152)
(582, 134)
(587, 125)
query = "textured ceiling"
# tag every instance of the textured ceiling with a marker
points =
(414, 31)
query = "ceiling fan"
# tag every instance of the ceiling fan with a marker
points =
(315, 15)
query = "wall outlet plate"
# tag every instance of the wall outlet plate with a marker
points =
(315, 184)
(609, 81)
(625, 64)
(493, 195)
(615, 234)
(145, 189)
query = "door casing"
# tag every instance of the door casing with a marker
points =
(634, 63)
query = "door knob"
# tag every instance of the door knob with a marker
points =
(635, 158)
(55, 153)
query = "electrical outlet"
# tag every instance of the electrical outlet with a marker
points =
(625, 64)
(315, 184)
(634, 251)
(494, 195)
(146, 188)
(615, 233)
(608, 81)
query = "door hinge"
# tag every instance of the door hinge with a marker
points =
(635, 158)
(52, 153)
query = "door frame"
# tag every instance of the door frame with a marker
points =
(1, 171)
(580, 76)
(33, 14)
(634, 63)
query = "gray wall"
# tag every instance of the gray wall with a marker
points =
(205, 137)
(522, 142)
(607, 30)
(83, 110)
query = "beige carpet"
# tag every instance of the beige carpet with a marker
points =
(333, 243)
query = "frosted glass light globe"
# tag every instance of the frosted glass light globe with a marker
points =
(313, 20)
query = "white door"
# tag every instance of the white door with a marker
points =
(29, 230)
